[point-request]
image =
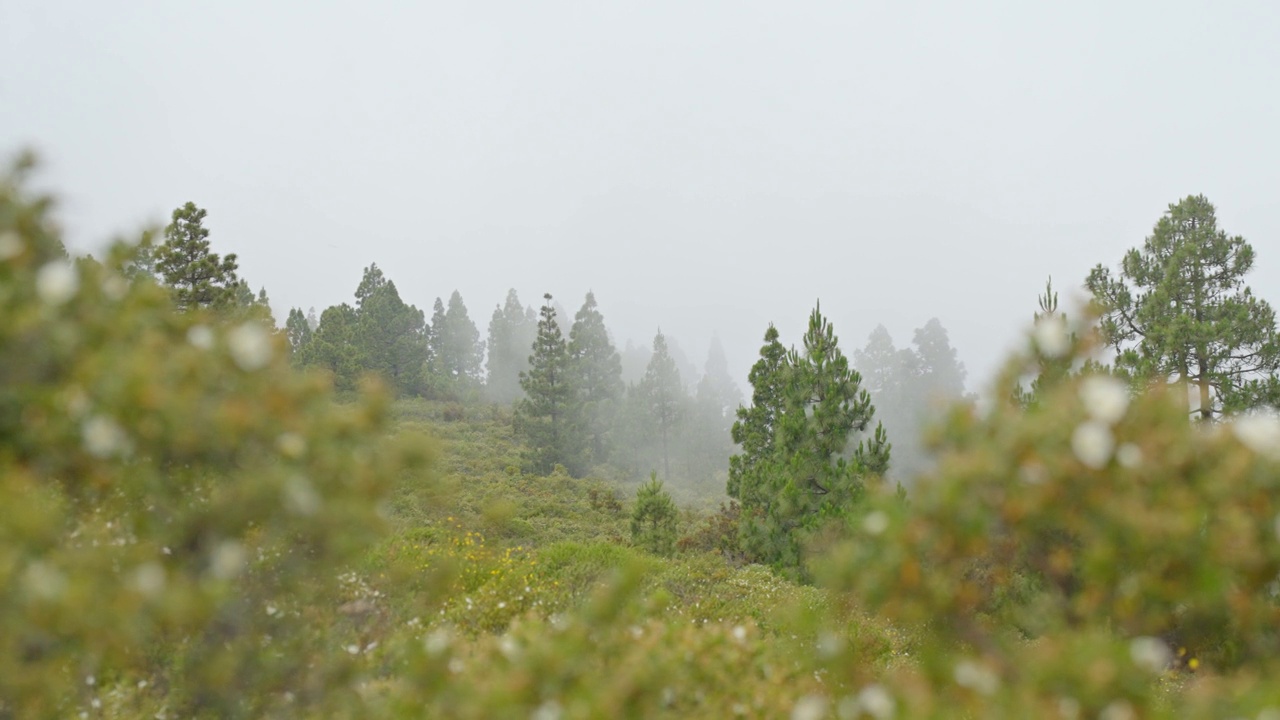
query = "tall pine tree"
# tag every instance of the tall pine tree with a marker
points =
(597, 370)
(544, 418)
(662, 394)
(197, 277)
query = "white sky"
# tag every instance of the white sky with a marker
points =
(703, 166)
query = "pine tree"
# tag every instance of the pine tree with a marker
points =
(197, 277)
(757, 424)
(461, 347)
(809, 479)
(597, 370)
(511, 332)
(1051, 367)
(335, 346)
(707, 442)
(895, 380)
(543, 418)
(654, 520)
(391, 334)
(1179, 312)
(942, 372)
(662, 393)
(298, 331)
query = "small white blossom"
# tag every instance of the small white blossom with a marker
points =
(1150, 654)
(291, 445)
(300, 497)
(809, 707)
(1092, 443)
(57, 282)
(1260, 432)
(876, 702)
(228, 560)
(1117, 710)
(976, 677)
(437, 642)
(148, 579)
(250, 346)
(10, 245)
(353, 649)
(43, 581)
(509, 648)
(1105, 398)
(549, 710)
(103, 437)
(739, 633)
(1068, 708)
(1129, 455)
(1051, 336)
(200, 337)
(875, 522)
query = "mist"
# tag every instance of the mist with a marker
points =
(705, 170)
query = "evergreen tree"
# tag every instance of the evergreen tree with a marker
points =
(662, 393)
(460, 344)
(653, 522)
(756, 426)
(1051, 367)
(436, 333)
(809, 479)
(511, 332)
(597, 370)
(313, 321)
(895, 380)
(1179, 312)
(335, 346)
(544, 416)
(391, 334)
(707, 439)
(196, 276)
(299, 332)
(940, 368)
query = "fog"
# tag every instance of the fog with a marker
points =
(706, 168)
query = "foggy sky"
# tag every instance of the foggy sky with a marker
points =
(703, 166)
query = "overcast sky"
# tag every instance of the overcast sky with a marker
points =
(704, 166)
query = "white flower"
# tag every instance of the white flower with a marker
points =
(739, 633)
(299, 497)
(291, 445)
(1092, 443)
(200, 337)
(809, 707)
(549, 710)
(44, 581)
(876, 701)
(1117, 710)
(57, 282)
(1105, 398)
(509, 648)
(437, 642)
(103, 437)
(1129, 455)
(228, 559)
(875, 522)
(148, 579)
(1051, 336)
(1260, 432)
(250, 346)
(1150, 654)
(10, 245)
(976, 677)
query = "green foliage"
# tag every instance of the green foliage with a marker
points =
(298, 331)
(757, 424)
(653, 522)
(660, 394)
(390, 334)
(197, 277)
(546, 417)
(173, 497)
(511, 333)
(597, 370)
(455, 348)
(1179, 312)
(335, 347)
(806, 480)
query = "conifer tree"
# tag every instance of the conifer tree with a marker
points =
(942, 372)
(511, 332)
(196, 276)
(653, 522)
(544, 416)
(335, 346)
(391, 334)
(1179, 312)
(756, 425)
(809, 479)
(662, 394)
(597, 370)
(463, 353)
(298, 331)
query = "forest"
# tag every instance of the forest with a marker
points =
(370, 513)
